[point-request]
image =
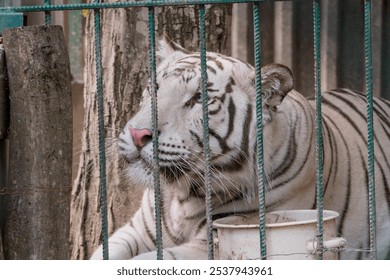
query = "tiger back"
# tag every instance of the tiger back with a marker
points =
(289, 155)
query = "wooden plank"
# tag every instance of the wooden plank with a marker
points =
(283, 33)
(385, 53)
(350, 62)
(329, 46)
(302, 47)
(37, 198)
(240, 32)
(377, 42)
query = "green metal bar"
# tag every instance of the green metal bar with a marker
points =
(10, 19)
(102, 151)
(370, 129)
(47, 13)
(156, 168)
(259, 129)
(142, 3)
(206, 144)
(318, 120)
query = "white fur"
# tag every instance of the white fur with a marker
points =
(288, 135)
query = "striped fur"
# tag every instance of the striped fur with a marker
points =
(289, 156)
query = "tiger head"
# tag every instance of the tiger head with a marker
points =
(232, 121)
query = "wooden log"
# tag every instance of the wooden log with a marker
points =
(4, 102)
(37, 197)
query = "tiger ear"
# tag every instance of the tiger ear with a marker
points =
(276, 82)
(168, 48)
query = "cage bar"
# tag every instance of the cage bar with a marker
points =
(156, 168)
(47, 13)
(96, 6)
(142, 3)
(318, 127)
(259, 129)
(205, 122)
(370, 129)
(102, 150)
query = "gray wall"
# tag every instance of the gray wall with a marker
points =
(287, 38)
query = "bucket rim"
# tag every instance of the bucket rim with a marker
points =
(223, 222)
(327, 216)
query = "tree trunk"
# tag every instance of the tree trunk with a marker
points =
(125, 61)
(37, 197)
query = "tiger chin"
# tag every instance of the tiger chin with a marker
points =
(289, 155)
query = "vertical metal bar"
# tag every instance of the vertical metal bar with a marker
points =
(156, 172)
(206, 146)
(47, 13)
(370, 128)
(102, 152)
(259, 129)
(318, 120)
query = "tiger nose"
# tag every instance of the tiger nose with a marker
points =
(140, 136)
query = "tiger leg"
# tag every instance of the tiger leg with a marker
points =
(130, 240)
(124, 244)
(192, 250)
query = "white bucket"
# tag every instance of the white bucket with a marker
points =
(289, 235)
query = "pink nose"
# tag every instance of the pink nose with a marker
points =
(140, 136)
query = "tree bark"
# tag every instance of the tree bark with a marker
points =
(37, 198)
(124, 41)
(125, 72)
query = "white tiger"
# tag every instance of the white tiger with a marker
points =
(289, 155)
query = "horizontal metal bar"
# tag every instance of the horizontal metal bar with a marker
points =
(142, 3)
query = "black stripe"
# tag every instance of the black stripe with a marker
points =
(171, 254)
(387, 192)
(353, 124)
(345, 209)
(135, 241)
(222, 143)
(184, 61)
(237, 162)
(363, 164)
(334, 148)
(212, 90)
(201, 225)
(148, 231)
(219, 64)
(350, 104)
(214, 112)
(234, 213)
(382, 119)
(229, 85)
(379, 106)
(230, 59)
(288, 161)
(165, 219)
(327, 132)
(344, 212)
(171, 153)
(232, 117)
(211, 69)
(196, 216)
(197, 138)
(327, 122)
